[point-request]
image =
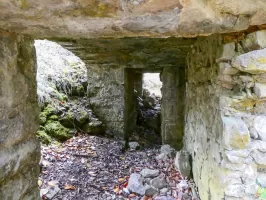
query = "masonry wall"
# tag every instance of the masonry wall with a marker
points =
(19, 148)
(225, 116)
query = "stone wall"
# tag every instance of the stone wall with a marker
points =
(19, 148)
(225, 116)
(106, 92)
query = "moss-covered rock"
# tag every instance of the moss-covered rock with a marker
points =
(44, 137)
(81, 117)
(49, 110)
(57, 131)
(67, 120)
(95, 127)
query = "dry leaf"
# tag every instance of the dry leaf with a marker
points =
(39, 183)
(69, 187)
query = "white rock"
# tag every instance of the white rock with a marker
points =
(164, 191)
(253, 62)
(149, 173)
(260, 126)
(182, 163)
(150, 191)
(133, 145)
(255, 41)
(161, 156)
(135, 184)
(260, 90)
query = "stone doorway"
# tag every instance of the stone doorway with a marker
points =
(169, 128)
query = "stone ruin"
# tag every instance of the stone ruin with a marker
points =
(211, 54)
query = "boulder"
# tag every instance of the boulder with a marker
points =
(135, 184)
(67, 119)
(254, 41)
(149, 173)
(57, 131)
(260, 90)
(81, 117)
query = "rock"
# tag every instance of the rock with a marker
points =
(159, 182)
(42, 118)
(227, 69)
(182, 163)
(53, 117)
(261, 179)
(57, 131)
(81, 117)
(95, 127)
(52, 192)
(260, 126)
(167, 150)
(164, 191)
(254, 41)
(150, 191)
(161, 156)
(228, 52)
(165, 198)
(67, 120)
(253, 62)
(49, 110)
(133, 145)
(135, 184)
(235, 132)
(260, 90)
(149, 173)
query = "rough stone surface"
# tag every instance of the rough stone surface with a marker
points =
(129, 18)
(133, 145)
(252, 62)
(149, 173)
(19, 147)
(254, 41)
(135, 184)
(158, 182)
(260, 127)
(260, 90)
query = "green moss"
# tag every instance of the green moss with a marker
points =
(67, 120)
(44, 138)
(49, 110)
(53, 117)
(57, 131)
(42, 118)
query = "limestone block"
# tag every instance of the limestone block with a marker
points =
(228, 52)
(235, 191)
(254, 41)
(259, 157)
(227, 69)
(235, 133)
(260, 127)
(258, 145)
(260, 90)
(253, 62)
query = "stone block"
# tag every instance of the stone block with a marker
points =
(235, 133)
(260, 126)
(227, 52)
(227, 69)
(253, 62)
(254, 41)
(260, 90)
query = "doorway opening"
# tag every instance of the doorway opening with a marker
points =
(143, 105)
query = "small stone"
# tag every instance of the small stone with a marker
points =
(227, 69)
(133, 145)
(135, 184)
(159, 182)
(254, 41)
(167, 150)
(149, 173)
(182, 163)
(52, 192)
(150, 191)
(164, 191)
(260, 90)
(161, 156)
